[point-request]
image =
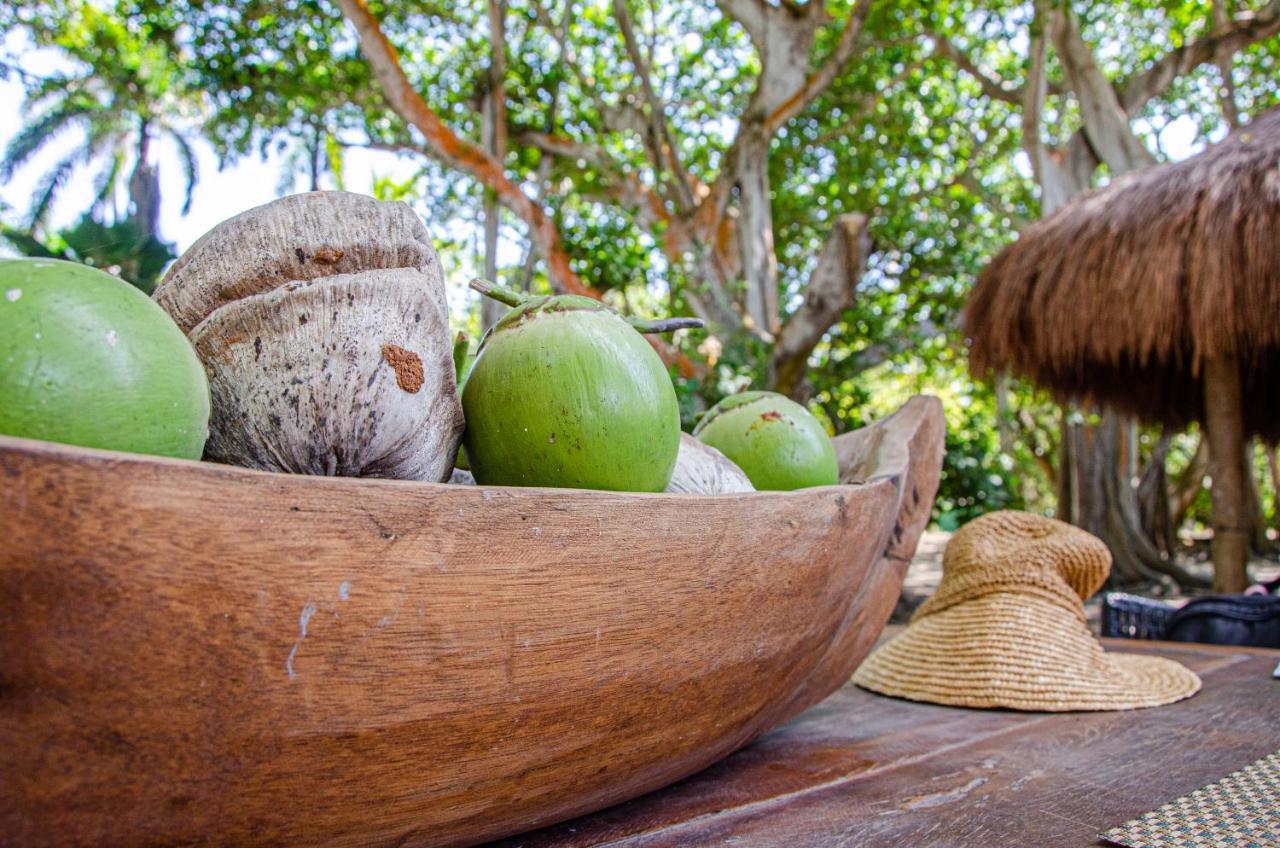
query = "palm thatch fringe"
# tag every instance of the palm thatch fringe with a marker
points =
(1119, 297)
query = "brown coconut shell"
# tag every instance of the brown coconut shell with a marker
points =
(300, 237)
(703, 470)
(348, 375)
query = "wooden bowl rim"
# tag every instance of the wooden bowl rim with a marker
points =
(62, 451)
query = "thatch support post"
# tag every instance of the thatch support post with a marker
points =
(1224, 429)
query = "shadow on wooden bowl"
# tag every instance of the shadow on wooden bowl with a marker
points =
(198, 653)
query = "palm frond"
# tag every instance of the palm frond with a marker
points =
(27, 244)
(190, 166)
(55, 87)
(107, 178)
(106, 127)
(35, 135)
(47, 189)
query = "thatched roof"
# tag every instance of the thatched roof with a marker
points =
(1118, 297)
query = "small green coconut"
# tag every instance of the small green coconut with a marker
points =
(87, 359)
(566, 393)
(773, 439)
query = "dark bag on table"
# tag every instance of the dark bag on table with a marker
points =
(1246, 620)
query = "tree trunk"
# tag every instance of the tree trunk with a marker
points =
(144, 187)
(1092, 478)
(1186, 488)
(1004, 420)
(1153, 500)
(1096, 495)
(755, 238)
(1259, 544)
(493, 132)
(1224, 427)
(831, 289)
(1098, 463)
(1274, 468)
(490, 310)
(315, 150)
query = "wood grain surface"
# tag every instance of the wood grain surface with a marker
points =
(905, 449)
(864, 771)
(198, 653)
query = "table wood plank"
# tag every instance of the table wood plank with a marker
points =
(863, 770)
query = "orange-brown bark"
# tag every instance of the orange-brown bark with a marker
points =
(467, 156)
(456, 150)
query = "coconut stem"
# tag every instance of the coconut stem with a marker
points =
(514, 298)
(461, 347)
(510, 297)
(664, 325)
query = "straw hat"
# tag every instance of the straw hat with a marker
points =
(1006, 628)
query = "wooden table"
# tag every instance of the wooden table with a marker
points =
(864, 770)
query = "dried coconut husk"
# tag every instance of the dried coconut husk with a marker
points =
(348, 375)
(462, 477)
(703, 470)
(295, 238)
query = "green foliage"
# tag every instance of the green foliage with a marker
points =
(974, 480)
(124, 86)
(122, 248)
(905, 135)
(608, 252)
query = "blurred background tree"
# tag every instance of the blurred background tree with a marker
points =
(125, 89)
(123, 248)
(820, 182)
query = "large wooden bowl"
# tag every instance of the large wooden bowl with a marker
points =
(197, 653)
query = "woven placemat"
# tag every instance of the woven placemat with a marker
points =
(1240, 811)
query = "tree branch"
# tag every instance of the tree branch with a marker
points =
(1106, 124)
(753, 15)
(830, 290)
(992, 86)
(664, 152)
(1224, 60)
(1240, 32)
(467, 156)
(867, 103)
(821, 80)
(457, 151)
(622, 184)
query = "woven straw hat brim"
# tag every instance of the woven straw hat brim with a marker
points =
(1019, 652)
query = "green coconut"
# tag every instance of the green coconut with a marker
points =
(87, 359)
(777, 443)
(566, 393)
